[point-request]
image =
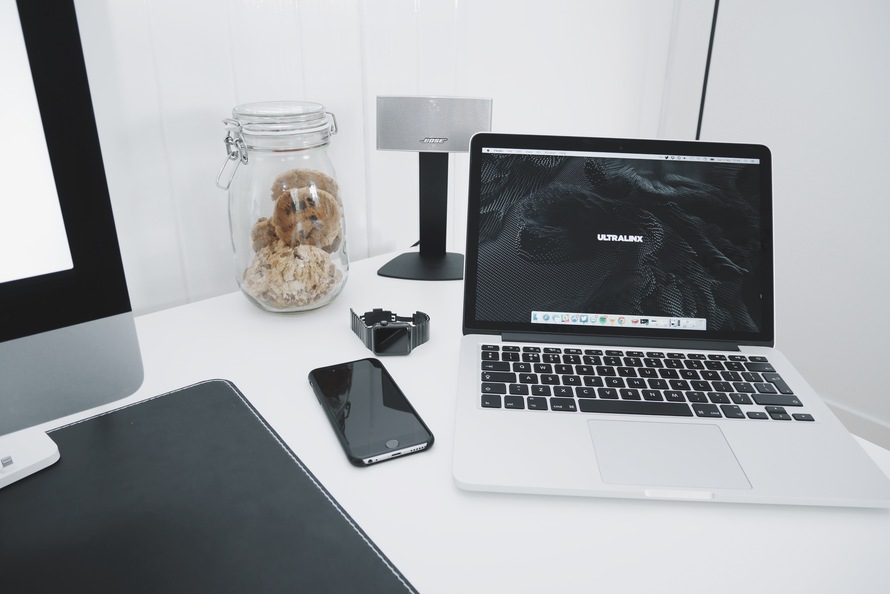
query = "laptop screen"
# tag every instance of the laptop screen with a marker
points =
(619, 237)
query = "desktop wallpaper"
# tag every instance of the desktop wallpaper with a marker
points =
(620, 236)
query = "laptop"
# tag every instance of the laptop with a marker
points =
(619, 331)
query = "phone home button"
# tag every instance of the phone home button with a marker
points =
(392, 444)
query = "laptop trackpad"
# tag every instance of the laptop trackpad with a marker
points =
(665, 455)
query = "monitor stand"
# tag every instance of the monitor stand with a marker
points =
(432, 262)
(25, 452)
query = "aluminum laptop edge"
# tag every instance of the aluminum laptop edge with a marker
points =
(585, 252)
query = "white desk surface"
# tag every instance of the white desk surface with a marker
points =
(447, 540)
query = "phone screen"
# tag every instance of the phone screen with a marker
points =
(371, 415)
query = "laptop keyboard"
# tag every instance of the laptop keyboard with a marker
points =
(680, 384)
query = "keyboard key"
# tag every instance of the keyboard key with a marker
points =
(571, 380)
(541, 390)
(739, 398)
(803, 417)
(776, 400)
(491, 401)
(609, 393)
(488, 388)
(759, 367)
(495, 366)
(756, 414)
(632, 407)
(718, 397)
(674, 396)
(629, 394)
(518, 389)
(564, 404)
(537, 403)
(514, 402)
(731, 411)
(696, 397)
(706, 410)
(778, 413)
(498, 376)
(778, 382)
(766, 388)
(563, 391)
(585, 392)
(681, 385)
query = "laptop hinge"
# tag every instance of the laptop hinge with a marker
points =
(636, 341)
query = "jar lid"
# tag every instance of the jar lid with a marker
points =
(273, 118)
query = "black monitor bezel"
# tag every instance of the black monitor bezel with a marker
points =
(96, 286)
(470, 325)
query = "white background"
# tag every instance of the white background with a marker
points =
(806, 78)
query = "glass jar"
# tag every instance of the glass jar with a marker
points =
(285, 210)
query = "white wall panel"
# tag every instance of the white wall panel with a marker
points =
(117, 47)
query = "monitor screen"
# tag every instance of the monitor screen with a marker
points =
(67, 336)
(611, 237)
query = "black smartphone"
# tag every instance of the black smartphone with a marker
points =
(369, 413)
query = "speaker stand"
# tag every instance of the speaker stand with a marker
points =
(432, 262)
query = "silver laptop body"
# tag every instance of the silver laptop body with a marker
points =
(643, 269)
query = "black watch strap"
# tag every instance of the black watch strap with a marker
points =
(363, 325)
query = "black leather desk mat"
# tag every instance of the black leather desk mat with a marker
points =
(190, 491)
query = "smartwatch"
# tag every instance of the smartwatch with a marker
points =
(385, 333)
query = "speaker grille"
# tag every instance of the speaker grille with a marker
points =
(430, 124)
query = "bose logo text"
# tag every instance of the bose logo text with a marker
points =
(429, 140)
(625, 238)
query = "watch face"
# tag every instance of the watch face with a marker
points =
(393, 339)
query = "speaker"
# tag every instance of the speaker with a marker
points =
(432, 127)
(430, 124)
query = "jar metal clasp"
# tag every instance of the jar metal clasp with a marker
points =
(236, 154)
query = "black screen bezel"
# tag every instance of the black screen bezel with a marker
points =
(471, 325)
(95, 287)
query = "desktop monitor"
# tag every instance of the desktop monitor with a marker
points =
(67, 336)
